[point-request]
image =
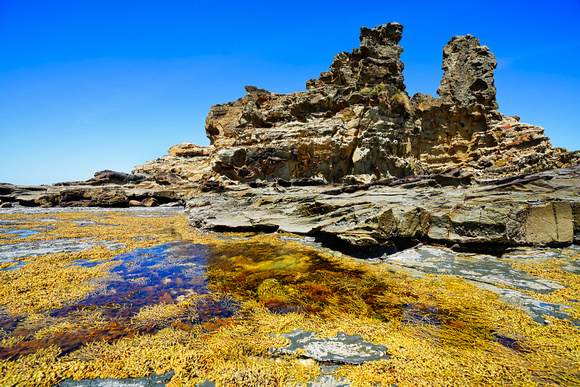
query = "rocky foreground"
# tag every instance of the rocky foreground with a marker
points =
(357, 160)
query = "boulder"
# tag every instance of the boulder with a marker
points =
(150, 202)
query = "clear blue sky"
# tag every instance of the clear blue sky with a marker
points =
(87, 85)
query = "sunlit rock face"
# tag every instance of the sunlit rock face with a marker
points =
(357, 119)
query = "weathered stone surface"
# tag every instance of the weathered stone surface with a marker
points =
(550, 222)
(449, 169)
(468, 77)
(23, 194)
(509, 215)
(87, 196)
(356, 123)
(375, 62)
(150, 202)
(188, 149)
(487, 272)
(146, 381)
(166, 178)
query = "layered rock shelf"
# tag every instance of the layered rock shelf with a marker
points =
(544, 209)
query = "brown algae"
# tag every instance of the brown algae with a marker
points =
(212, 307)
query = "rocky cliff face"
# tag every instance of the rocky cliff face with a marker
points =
(356, 122)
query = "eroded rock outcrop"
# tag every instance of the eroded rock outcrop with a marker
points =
(543, 210)
(356, 122)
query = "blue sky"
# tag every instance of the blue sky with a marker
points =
(90, 85)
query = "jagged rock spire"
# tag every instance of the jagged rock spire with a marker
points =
(468, 77)
(377, 61)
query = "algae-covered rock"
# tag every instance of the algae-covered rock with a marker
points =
(342, 348)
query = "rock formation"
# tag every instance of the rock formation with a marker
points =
(356, 122)
(355, 159)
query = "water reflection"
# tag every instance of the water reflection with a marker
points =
(160, 274)
(143, 292)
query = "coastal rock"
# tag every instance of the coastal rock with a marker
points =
(356, 122)
(356, 160)
(88, 196)
(108, 177)
(468, 77)
(85, 197)
(25, 195)
(166, 178)
(150, 202)
(539, 212)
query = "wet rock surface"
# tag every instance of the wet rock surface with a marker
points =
(148, 381)
(493, 273)
(341, 349)
(13, 251)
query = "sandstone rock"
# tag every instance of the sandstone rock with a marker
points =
(188, 149)
(108, 177)
(375, 62)
(188, 168)
(356, 124)
(86, 197)
(166, 178)
(547, 223)
(480, 223)
(25, 195)
(450, 169)
(468, 77)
